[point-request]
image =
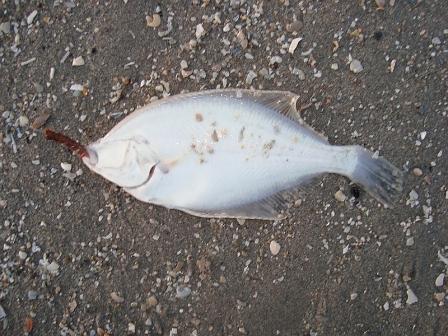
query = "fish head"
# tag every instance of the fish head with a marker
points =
(129, 163)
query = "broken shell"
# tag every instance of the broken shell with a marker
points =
(200, 31)
(242, 39)
(40, 120)
(23, 121)
(340, 196)
(153, 21)
(66, 166)
(116, 298)
(356, 66)
(274, 247)
(440, 279)
(294, 43)
(78, 61)
(28, 325)
(412, 298)
(380, 4)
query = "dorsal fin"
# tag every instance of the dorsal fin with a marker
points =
(284, 102)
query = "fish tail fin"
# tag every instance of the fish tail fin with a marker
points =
(377, 176)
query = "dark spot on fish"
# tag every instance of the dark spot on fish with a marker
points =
(268, 146)
(241, 136)
(199, 117)
(210, 150)
(215, 136)
(195, 149)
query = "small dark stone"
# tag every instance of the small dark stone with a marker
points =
(355, 191)
(378, 35)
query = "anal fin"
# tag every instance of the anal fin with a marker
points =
(270, 208)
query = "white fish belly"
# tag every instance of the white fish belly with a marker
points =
(219, 153)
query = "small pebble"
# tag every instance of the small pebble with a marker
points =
(116, 298)
(22, 255)
(153, 21)
(152, 301)
(410, 241)
(274, 247)
(53, 268)
(436, 41)
(5, 27)
(353, 296)
(440, 280)
(78, 61)
(334, 66)
(131, 328)
(226, 28)
(31, 17)
(183, 64)
(417, 172)
(200, 31)
(32, 295)
(66, 166)
(2, 313)
(356, 66)
(439, 296)
(392, 65)
(380, 4)
(251, 75)
(242, 39)
(76, 87)
(275, 60)
(23, 121)
(294, 43)
(182, 292)
(386, 306)
(340, 196)
(412, 298)
(241, 221)
(40, 120)
(413, 195)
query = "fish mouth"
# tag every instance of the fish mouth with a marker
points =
(150, 174)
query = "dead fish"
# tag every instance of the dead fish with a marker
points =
(226, 153)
